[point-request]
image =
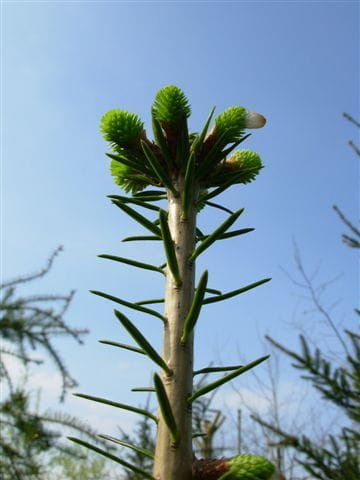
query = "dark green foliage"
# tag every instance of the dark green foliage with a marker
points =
(128, 161)
(122, 345)
(353, 239)
(23, 438)
(144, 437)
(198, 142)
(138, 217)
(159, 171)
(222, 186)
(137, 201)
(233, 293)
(133, 263)
(160, 140)
(187, 198)
(84, 465)
(151, 193)
(143, 389)
(166, 410)
(28, 435)
(193, 314)
(112, 457)
(338, 385)
(339, 457)
(123, 406)
(226, 378)
(132, 305)
(151, 301)
(206, 423)
(232, 147)
(27, 324)
(169, 247)
(213, 237)
(234, 233)
(141, 450)
(216, 369)
(141, 238)
(219, 207)
(142, 342)
(211, 155)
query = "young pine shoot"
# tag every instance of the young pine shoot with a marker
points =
(187, 170)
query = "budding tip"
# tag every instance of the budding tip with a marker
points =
(254, 119)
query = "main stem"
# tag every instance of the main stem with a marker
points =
(174, 461)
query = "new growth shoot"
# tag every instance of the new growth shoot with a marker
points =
(187, 170)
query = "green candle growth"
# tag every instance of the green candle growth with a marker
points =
(188, 170)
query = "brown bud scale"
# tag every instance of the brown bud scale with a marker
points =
(209, 469)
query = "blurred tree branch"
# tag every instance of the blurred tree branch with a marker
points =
(337, 380)
(30, 323)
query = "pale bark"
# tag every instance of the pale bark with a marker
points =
(173, 462)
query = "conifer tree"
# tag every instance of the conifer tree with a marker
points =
(29, 324)
(337, 381)
(187, 170)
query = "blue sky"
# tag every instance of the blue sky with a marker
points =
(66, 63)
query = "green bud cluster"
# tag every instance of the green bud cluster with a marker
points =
(126, 177)
(171, 105)
(249, 467)
(245, 161)
(242, 167)
(205, 157)
(121, 128)
(231, 124)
